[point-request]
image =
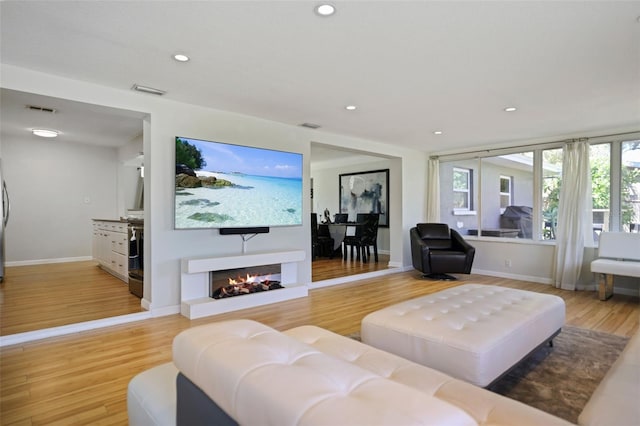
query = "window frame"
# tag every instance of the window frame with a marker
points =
(509, 193)
(468, 191)
(615, 142)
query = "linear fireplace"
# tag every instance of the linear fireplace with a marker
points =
(243, 281)
(202, 277)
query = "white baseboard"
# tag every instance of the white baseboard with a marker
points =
(625, 291)
(620, 290)
(14, 339)
(146, 304)
(164, 311)
(46, 261)
(541, 280)
(351, 278)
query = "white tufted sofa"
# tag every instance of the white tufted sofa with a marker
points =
(251, 374)
(615, 400)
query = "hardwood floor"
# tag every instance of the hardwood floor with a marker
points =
(82, 378)
(41, 296)
(324, 268)
(50, 295)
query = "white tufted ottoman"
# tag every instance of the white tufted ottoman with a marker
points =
(473, 332)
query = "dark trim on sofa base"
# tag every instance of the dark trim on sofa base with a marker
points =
(194, 407)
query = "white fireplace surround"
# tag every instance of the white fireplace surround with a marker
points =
(194, 282)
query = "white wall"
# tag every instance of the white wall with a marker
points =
(165, 246)
(56, 188)
(129, 163)
(528, 260)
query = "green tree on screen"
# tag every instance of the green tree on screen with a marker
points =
(189, 155)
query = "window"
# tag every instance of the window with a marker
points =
(459, 194)
(630, 186)
(505, 192)
(461, 189)
(521, 190)
(551, 183)
(600, 162)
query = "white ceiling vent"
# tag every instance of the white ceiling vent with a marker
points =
(310, 125)
(147, 89)
(41, 109)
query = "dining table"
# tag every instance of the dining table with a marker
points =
(338, 231)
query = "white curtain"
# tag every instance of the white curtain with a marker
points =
(433, 191)
(575, 227)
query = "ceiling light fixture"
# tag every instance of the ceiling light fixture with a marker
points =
(44, 133)
(351, 107)
(146, 89)
(180, 57)
(437, 132)
(325, 9)
(510, 109)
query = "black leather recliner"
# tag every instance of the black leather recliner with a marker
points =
(437, 250)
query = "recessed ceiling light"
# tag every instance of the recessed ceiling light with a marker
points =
(437, 132)
(325, 9)
(351, 107)
(510, 109)
(43, 133)
(180, 57)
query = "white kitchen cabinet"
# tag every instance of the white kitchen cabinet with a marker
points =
(110, 248)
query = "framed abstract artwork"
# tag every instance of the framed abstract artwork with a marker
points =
(365, 192)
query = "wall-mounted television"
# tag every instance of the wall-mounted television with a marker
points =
(221, 185)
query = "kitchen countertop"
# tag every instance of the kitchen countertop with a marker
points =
(123, 220)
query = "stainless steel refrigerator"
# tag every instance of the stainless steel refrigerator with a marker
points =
(5, 219)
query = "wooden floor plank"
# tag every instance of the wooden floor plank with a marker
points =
(82, 378)
(35, 297)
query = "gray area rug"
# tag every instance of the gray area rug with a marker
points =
(561, 379)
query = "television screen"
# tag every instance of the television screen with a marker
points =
(219, 185)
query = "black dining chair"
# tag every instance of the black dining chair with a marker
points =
(340, 218)
(366, 236)
(321, 245)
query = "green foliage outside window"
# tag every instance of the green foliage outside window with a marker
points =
(600, 188)
(551, 183)
(630, 186)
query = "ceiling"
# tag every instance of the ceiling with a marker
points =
(78, 122)
(411, 67)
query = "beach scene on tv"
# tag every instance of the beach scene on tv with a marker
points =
(220, 185)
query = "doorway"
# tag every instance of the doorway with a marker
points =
(327, 163)
(57, 186)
